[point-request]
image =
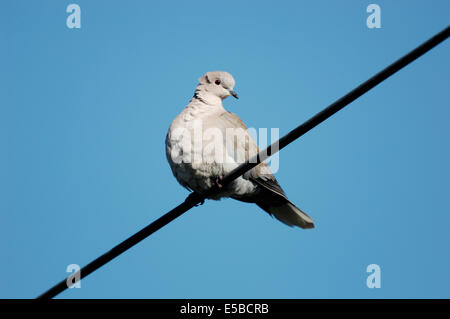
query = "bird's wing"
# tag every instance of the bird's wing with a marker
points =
(238, 142)
(245, 147)
(269, 196)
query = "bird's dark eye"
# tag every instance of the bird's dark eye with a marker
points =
(217, 82)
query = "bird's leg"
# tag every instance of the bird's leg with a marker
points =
(193, 197)
(219, 182)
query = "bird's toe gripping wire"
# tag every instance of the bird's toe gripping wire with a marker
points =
(195, 199)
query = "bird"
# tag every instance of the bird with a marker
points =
(205, 142)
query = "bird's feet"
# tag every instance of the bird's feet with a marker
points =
(219, 182)
(200, 204)
(195, 199)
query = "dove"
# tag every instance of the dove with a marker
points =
(205, 142)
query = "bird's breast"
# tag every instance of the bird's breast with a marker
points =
(196, 158)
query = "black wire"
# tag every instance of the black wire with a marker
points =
(194, 199)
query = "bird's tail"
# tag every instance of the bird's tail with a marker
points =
(289, 214)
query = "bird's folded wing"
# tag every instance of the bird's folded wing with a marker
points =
(245, 147)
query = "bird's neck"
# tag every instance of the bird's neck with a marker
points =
(203, 96)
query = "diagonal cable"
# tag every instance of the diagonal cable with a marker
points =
(194, 198)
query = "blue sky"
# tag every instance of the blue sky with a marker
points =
(84, 113)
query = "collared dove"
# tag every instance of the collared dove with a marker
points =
(201, 150)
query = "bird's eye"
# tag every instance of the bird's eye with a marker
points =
(217, 82)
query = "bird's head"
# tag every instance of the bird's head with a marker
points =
(218, 83)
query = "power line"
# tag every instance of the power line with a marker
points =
(194, 199)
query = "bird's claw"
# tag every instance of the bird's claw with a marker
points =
(193, 198)
(219, 182)
(200, 204)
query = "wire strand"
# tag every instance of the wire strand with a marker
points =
(194, 199)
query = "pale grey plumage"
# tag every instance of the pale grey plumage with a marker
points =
(199, 167)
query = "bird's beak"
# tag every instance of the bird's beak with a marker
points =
(234, 94)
